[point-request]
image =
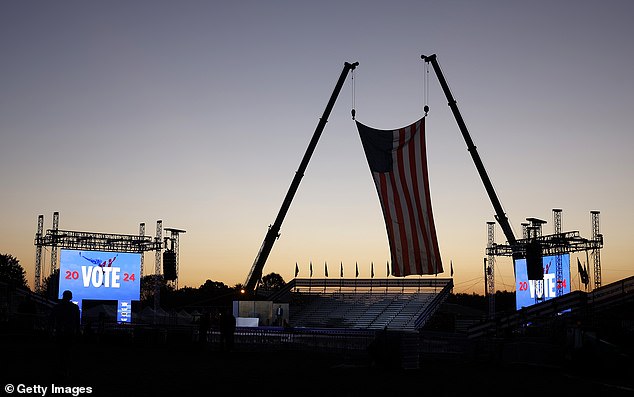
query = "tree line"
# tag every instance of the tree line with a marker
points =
(210, 293)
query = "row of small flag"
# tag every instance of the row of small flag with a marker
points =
(356, 269)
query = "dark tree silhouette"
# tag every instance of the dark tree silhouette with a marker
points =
(272, 282)
(148, 286)
(504, 301)
(11, 271)
(50, 285)
(213, 287)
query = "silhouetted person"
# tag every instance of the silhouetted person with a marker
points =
(279, 314)
(227, 329)
(66, 325)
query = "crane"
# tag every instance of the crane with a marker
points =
(273, 231)
(500, 216)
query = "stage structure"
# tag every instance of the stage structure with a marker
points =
(57, 238)
(549, 248)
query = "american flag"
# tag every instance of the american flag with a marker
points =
(398, 162)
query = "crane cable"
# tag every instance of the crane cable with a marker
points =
(425, 87)
(353, 111)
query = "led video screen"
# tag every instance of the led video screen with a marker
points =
(528, 292)
(100, 275)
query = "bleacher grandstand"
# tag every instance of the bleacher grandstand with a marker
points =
(404, 304)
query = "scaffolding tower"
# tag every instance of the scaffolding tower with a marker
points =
(559, 270)
(490, 269)
(596, 254)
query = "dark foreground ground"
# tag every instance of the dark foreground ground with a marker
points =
(112, 368)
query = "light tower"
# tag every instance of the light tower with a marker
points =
(490, 268)
(54, 241)
(596, 255)
(559, 271)
(37, 282)
(141, 235)
(158, 240)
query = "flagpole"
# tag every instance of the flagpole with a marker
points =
(578, 273)
(310, 277)
(341, 277)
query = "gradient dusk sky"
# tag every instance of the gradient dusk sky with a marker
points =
(198, 113)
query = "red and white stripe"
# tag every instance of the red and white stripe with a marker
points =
(406, 203)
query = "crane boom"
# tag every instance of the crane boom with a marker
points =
(499, 211)
(273, 232)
